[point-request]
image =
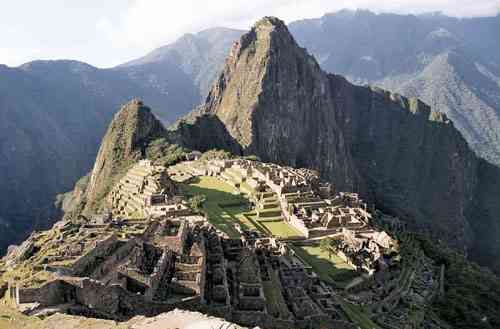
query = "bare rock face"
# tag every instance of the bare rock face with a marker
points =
(130, 133)
(274, 101)
(272, 96)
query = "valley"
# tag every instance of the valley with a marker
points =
(292, 197)
(433, 57)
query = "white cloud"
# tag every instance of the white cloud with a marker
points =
(108, 32)
(148, 24)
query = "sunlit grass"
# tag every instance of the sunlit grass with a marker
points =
(330, 268)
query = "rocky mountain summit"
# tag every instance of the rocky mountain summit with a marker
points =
(133, 128)
(275, 102)
(233, 236)
(134, 133)
(54, 113)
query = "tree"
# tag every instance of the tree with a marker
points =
(196, 202)
(216, 154)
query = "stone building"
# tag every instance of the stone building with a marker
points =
(145, 190)
(162, 268)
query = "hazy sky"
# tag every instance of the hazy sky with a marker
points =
(108, 32)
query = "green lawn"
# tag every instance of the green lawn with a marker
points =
(245, 188)
(218, 192)
(213, 188)
(333, 270)
(269, 212)
(280, 229)
(241, 216)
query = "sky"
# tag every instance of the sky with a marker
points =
(105, 33)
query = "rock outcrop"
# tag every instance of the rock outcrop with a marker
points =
(133, 130)
(274, 101)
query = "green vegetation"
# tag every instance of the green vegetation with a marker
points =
(280, 229)
(330, 246)
(196, 202)
(472, 293)
(356, 314)
(247, 189)
(225, 208)
(243, 218)
(216, 155)
(217, 192)
(251, 157)
(137, 215)
(163, 153)
(330, 268)
(265, 214)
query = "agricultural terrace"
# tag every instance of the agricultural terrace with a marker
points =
(330, 268)
(225, 207)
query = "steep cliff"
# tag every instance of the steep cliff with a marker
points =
(271, 97)
(436, 58)
(131, 136)
(275, 102)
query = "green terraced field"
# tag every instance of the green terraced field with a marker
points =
(333, 270)
(280, 229)
(216, 193)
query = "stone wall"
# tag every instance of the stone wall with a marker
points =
(112, 260)
(87, 261)
(51, 293)
(115, 300)
(159, 270)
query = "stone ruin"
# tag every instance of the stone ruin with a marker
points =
(146, 190)
(309, 205)
(116, 266)
(177, 264)
(162, 268)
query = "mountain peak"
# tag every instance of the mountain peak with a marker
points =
(272, 21)
(268, 32)
(134, 105)
(131, 131)
(269, 85)
(135, 102)
(275, 102)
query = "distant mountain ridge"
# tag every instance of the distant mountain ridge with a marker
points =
(450, 63)
(200, 55)
(54, 113)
